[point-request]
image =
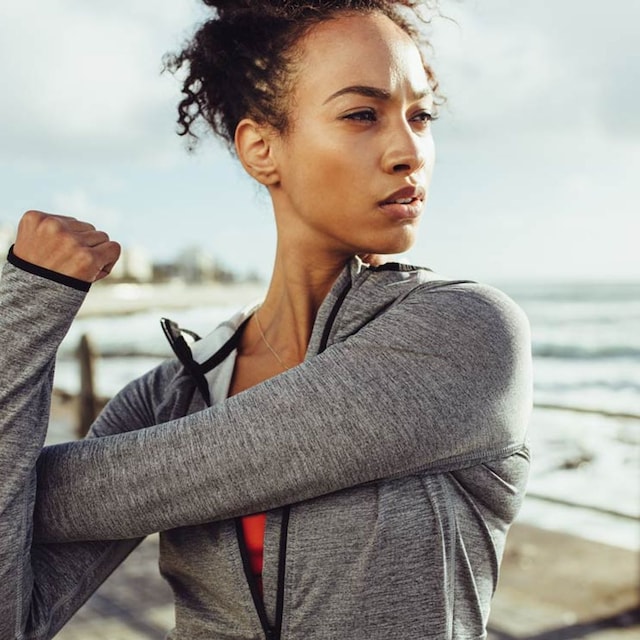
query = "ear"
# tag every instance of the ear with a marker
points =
(254, 149)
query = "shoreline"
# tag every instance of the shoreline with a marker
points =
(125, 299)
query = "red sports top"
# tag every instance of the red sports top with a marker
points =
(253, 528)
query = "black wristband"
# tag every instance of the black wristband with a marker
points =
(60, 278)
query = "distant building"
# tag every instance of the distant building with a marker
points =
(135, 265)
(195, 265)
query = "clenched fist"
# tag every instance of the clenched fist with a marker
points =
(65, 245)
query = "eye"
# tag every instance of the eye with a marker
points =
(364, 115)
(423, 118)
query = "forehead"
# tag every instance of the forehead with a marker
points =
(368, 49)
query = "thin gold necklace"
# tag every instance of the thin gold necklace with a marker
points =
(264, 339)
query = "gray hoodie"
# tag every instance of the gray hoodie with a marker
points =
(391, 464)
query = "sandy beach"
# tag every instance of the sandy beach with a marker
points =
(558, 586)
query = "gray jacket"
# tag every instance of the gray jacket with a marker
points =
(391, 464)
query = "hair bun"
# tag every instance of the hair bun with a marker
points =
(283, 8)
(228, 8)
(225, 8)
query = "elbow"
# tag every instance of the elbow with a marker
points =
(510, 384)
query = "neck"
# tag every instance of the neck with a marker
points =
(299, 284)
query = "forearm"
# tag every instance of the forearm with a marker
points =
(36, 314)
(359, 412)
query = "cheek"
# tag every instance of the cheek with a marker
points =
(309, 159)
(326, 169)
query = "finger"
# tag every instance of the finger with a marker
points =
(58, 215)
(106, 258)
(47, 224)
(76, 226)
(105, 271)
(93, 238)
(34, 218)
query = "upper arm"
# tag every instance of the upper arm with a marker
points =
(140, 404)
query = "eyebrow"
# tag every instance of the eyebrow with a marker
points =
(373, 92)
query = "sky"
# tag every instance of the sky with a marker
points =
(538, 145)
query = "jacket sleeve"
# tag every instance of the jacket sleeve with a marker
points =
(441, 380)
(41, 585)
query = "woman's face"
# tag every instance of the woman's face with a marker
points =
(355, 165)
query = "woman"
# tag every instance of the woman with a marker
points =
(342, 461)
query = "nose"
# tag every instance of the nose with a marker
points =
(405, 152)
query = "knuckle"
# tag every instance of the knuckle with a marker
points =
(31, 218)
(33, 214)
(51, 225)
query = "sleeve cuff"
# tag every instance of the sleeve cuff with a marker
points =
(34, 269)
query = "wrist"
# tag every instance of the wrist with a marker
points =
(43, 272)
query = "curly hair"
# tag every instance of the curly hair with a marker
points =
(241, 62)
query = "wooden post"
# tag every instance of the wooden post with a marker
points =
(87, 402)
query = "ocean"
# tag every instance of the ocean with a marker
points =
(585, 427)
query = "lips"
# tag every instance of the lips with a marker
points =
(406, 195)
(404, 204)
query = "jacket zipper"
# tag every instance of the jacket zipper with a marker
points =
(197, 372)
(256, 596)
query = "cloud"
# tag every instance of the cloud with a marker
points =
(78, 203)
(537, 73)
(82, 81)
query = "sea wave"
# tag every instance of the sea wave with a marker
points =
(585, 352)
(585, 385)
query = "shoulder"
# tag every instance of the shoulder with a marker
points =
(479, 321)
(422, 293)
(471, 304)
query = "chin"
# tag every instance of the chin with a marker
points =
(395, 248)
(391, 245)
